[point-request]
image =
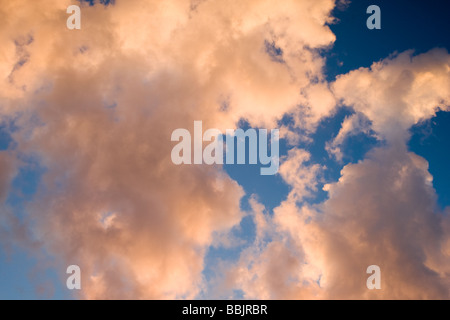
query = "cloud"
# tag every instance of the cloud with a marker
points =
(381, 211)
(398, 92)
(274, 266)
(302, 177)
(97, 106)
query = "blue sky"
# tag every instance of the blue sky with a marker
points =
(417, 25)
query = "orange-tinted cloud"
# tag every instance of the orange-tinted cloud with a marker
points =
(97, 107)
(382, 211)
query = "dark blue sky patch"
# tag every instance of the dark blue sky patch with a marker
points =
(405, 24)
(275, 53)
(430, 139)
(5, 138)
(8, 127)
(356, 146)
(93, 2)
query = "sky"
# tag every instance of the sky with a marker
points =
(86, 176)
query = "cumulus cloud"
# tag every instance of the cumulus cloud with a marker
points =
(274, 266)
(398, 92)
(382, 211)
(97, 106)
